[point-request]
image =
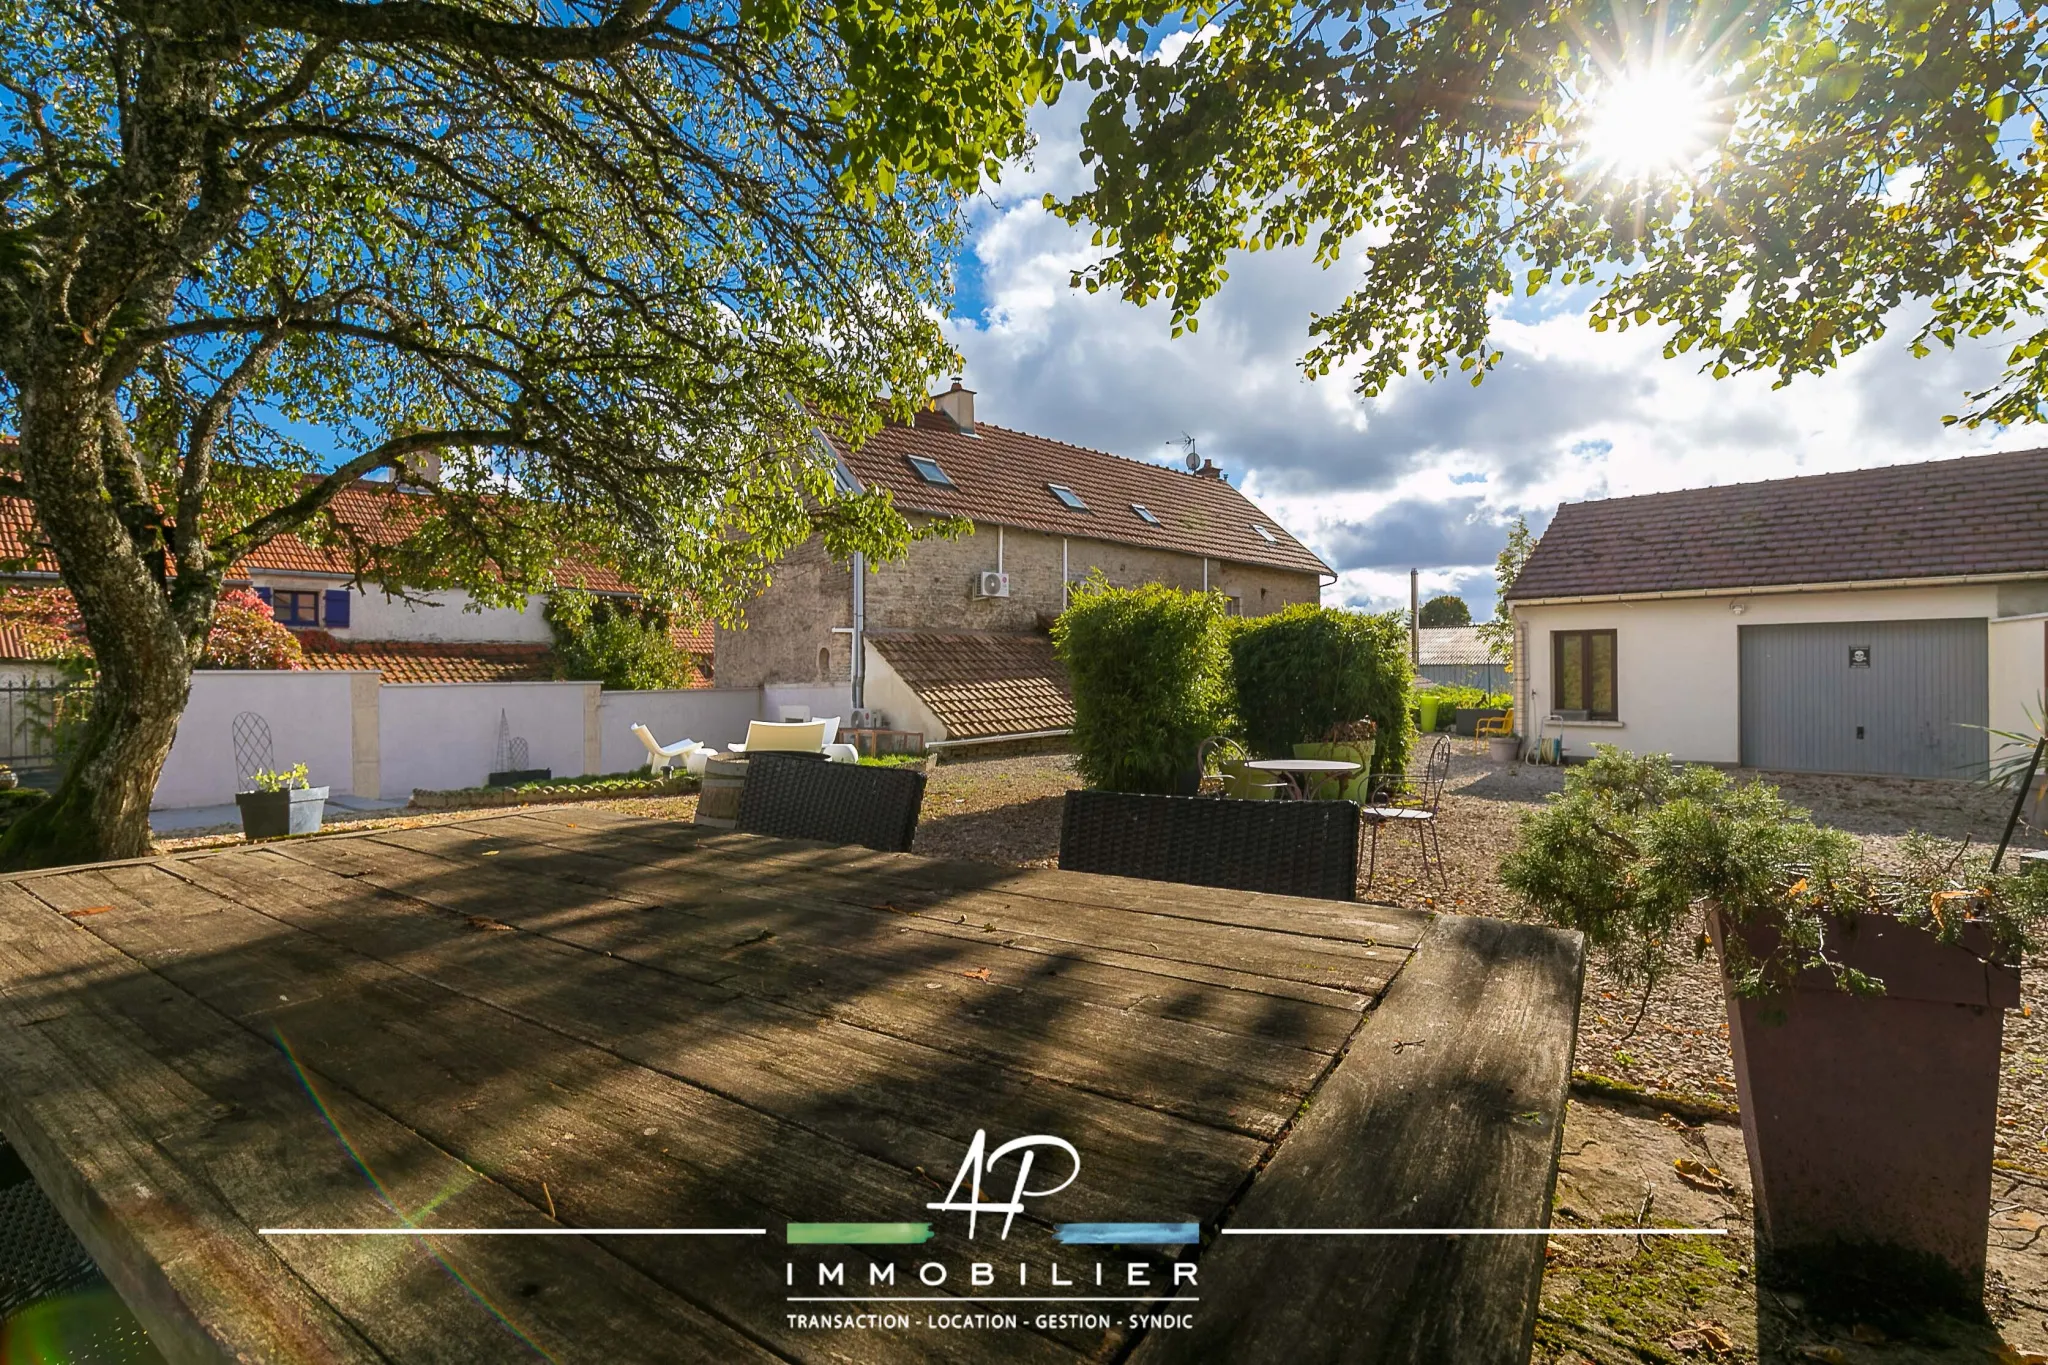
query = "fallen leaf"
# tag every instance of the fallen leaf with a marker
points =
(1714, 1335)
(978, 974)
(1866, 1334)
(1701, 1176)
(88, 910)
(488, 925)
(490, 853)
(1832, 1355)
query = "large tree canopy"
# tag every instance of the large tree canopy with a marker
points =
(1853, 154)
(584, 272)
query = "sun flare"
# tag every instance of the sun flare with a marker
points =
(1648, 125)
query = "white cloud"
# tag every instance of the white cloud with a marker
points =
(1427, 475)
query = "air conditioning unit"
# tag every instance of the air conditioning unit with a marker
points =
(989, 583)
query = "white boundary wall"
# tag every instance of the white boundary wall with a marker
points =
(360, 737)
(312, 716)
(440, 735)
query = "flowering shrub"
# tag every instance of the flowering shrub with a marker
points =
(44, 623)
(246, 635)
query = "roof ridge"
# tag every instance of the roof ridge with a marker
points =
(1810, 478)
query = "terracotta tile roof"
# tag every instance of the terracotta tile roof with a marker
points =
(19, 642)
(382, 514)
(1451, 645)
(407, 661)
(979, 685)
(1984, 514)
(1000, 476)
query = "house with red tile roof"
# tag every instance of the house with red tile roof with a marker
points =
(952, 640)
(1871, 621)
(439, 636)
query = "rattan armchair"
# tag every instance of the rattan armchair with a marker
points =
(1290, 848)
(800, 796)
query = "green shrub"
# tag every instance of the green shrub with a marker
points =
(1634, 843)
(1300, 671)
(1146, 666)
(624, 646)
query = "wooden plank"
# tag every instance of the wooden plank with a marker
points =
(1446, 1112)
(557, 1123)
(164, 1171)
(1118, 1033)
(918, 1111)
(635, 838)
(1261, 960)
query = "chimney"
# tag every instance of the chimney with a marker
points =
(428, 466)
(1211, 470)
(958, 405)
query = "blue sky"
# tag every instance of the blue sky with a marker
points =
(1427, 476)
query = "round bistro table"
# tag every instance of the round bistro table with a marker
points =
(1298, 771)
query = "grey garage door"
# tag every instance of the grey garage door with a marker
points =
(1867, 697)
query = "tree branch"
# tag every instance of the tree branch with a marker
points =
(423, 21)
(390, 455)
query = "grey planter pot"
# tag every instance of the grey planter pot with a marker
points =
(272, 815)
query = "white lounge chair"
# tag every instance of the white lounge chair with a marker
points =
(660, 756)
(804, 737)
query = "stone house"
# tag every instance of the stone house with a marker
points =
(952, 640)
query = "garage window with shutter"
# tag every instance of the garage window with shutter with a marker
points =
(1582, 674)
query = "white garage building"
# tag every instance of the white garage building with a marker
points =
(1875, 621)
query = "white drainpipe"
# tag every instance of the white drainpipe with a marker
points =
(1063, 573)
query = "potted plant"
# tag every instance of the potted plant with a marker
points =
(282, 804)
(1865, 1004)
(1503, 748)
(1350, 741)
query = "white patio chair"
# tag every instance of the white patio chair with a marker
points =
(803, 737)
(660, 756)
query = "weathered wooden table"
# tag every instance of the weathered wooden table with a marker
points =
(632, 1080)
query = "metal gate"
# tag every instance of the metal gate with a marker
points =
(35, 719)
(1908, 698)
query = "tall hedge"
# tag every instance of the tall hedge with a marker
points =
(1300, 671)
(1147, 666)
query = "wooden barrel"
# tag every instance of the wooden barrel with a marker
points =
(718, 803)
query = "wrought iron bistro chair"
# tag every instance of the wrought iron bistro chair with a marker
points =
(1413, 803)
(802, 796)
(1288, 848)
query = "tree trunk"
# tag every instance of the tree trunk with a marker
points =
(143, 651)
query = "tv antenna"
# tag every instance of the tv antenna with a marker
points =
(1193, 458)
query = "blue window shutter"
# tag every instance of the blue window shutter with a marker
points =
(263, 593)
(335, 609)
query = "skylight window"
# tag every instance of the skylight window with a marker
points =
(1266, 534)
(842, 478)
(1068, 497)
(1144, 514)
(929, 471)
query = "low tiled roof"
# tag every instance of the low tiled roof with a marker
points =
(1000, 476)
(1452, 645)
(407, 661)
(982, 685)
(23, 642)
(1984, 514)
(380, 513)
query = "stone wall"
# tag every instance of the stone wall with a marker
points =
(933, 589)
(788, 625)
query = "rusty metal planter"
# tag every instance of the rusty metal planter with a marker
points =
(1870, 1119)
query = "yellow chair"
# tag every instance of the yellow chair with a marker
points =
(1494, 727)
